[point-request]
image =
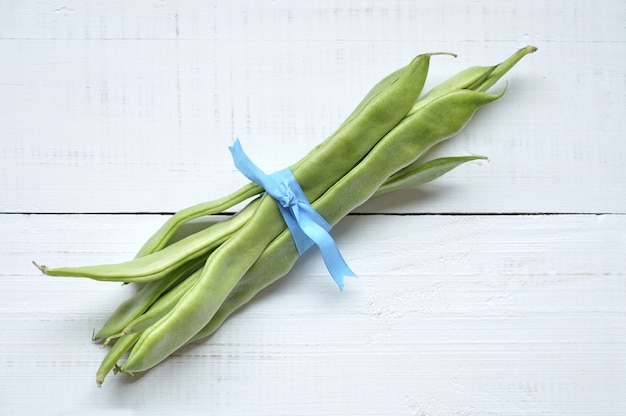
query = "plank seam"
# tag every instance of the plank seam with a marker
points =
(355, 214)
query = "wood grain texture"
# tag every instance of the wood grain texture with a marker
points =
(473, 315)
(499, 289)
(130, 107)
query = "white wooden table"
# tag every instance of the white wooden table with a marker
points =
(499, 289)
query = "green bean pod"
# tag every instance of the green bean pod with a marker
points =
(159, 264)
(333, 158)
(158, 309)
(418, 174)
(476, 78)
(326, 165)
(161, 237)
(114, 354)
(141, 301)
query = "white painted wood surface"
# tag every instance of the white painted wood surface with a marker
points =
(500, 291)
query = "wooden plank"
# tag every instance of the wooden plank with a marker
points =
(130, 107)
(476, 315)
(342, 20)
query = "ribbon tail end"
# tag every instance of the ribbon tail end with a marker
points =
(338, 278)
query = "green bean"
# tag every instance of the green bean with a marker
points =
(133, 306)
(330, 160)
(222, 271)
(503, 68)
(156, 265)
(158, 309)
(232, 259)
(114, 354)
(380, 87)
(137, 304)
(160, 238)
(476, 78)
(416, 175)
(465, 79)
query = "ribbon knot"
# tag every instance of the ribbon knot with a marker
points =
(287, 198)
(306, 225)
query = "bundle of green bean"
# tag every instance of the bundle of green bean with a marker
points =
(193, 284)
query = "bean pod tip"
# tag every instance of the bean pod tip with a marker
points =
(43, 269)
(454, 55)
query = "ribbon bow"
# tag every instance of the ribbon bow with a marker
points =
(306, 225)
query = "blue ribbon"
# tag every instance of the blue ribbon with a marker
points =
(306, 225)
